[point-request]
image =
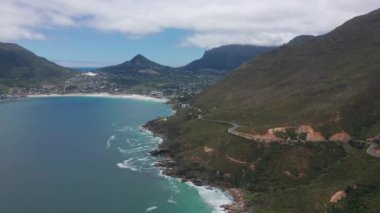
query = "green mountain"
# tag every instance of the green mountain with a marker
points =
(22, 68)
(142, 75)
(226, 58)
(329, 83)
(137, 66)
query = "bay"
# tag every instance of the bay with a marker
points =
(88, 154)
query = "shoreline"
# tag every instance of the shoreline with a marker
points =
(231, 196)
(168, 167)
(103, 95)
(226, 198)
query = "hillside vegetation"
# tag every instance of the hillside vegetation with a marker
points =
(330, 82)
(22, 68)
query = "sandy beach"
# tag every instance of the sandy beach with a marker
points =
(103, 95)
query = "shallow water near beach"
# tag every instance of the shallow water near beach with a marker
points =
(88, 154)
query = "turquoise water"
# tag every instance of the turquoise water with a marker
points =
(83, 154)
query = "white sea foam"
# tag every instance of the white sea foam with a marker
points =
(134, 150)
(214, 197)
(171, 200)
(113, 137)
(143, 159)
(126, 165)
(125, 129)
(104, 95)
(122, 151)
(129, 142)
(151, 208)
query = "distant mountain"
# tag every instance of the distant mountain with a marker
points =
(20, 67)
(137, 66)
(226, 58)
(142, 75)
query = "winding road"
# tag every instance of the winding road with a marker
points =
(232, 130)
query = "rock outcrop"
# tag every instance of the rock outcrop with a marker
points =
(312, 135)
(338, 196)
(341, 137)
(208, 149)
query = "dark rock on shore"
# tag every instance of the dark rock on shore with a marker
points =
(171, 167)
(160, 152)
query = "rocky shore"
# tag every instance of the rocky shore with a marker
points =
(170, 167)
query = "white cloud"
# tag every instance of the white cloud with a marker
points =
(212, 22)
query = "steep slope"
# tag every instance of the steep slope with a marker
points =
(22, 68)
(226, 58)
(330, 82)
(300, 39)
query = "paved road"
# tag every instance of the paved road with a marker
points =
(232, 130)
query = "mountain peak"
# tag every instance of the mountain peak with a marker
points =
(136, 64)
(139, 58)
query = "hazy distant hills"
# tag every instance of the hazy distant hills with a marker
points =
(138, 65)
(226, 57)
(141, 74)
(311, 80)
(218, 59)
(22, 68)
(144, 74)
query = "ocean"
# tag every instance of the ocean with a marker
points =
(89, 154)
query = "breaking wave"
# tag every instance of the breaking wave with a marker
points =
(151, 208)
(214, 197)
(113, 137)
(134, 144)
(126, 165)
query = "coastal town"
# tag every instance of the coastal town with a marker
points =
(92, 83)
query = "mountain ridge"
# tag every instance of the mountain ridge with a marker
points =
(302, 93)
(226, 58)
(142, 74)
(321, 67)
(21, 67)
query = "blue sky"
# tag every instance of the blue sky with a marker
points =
(88, 47)
(170, 32)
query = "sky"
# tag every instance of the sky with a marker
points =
(93, 33)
